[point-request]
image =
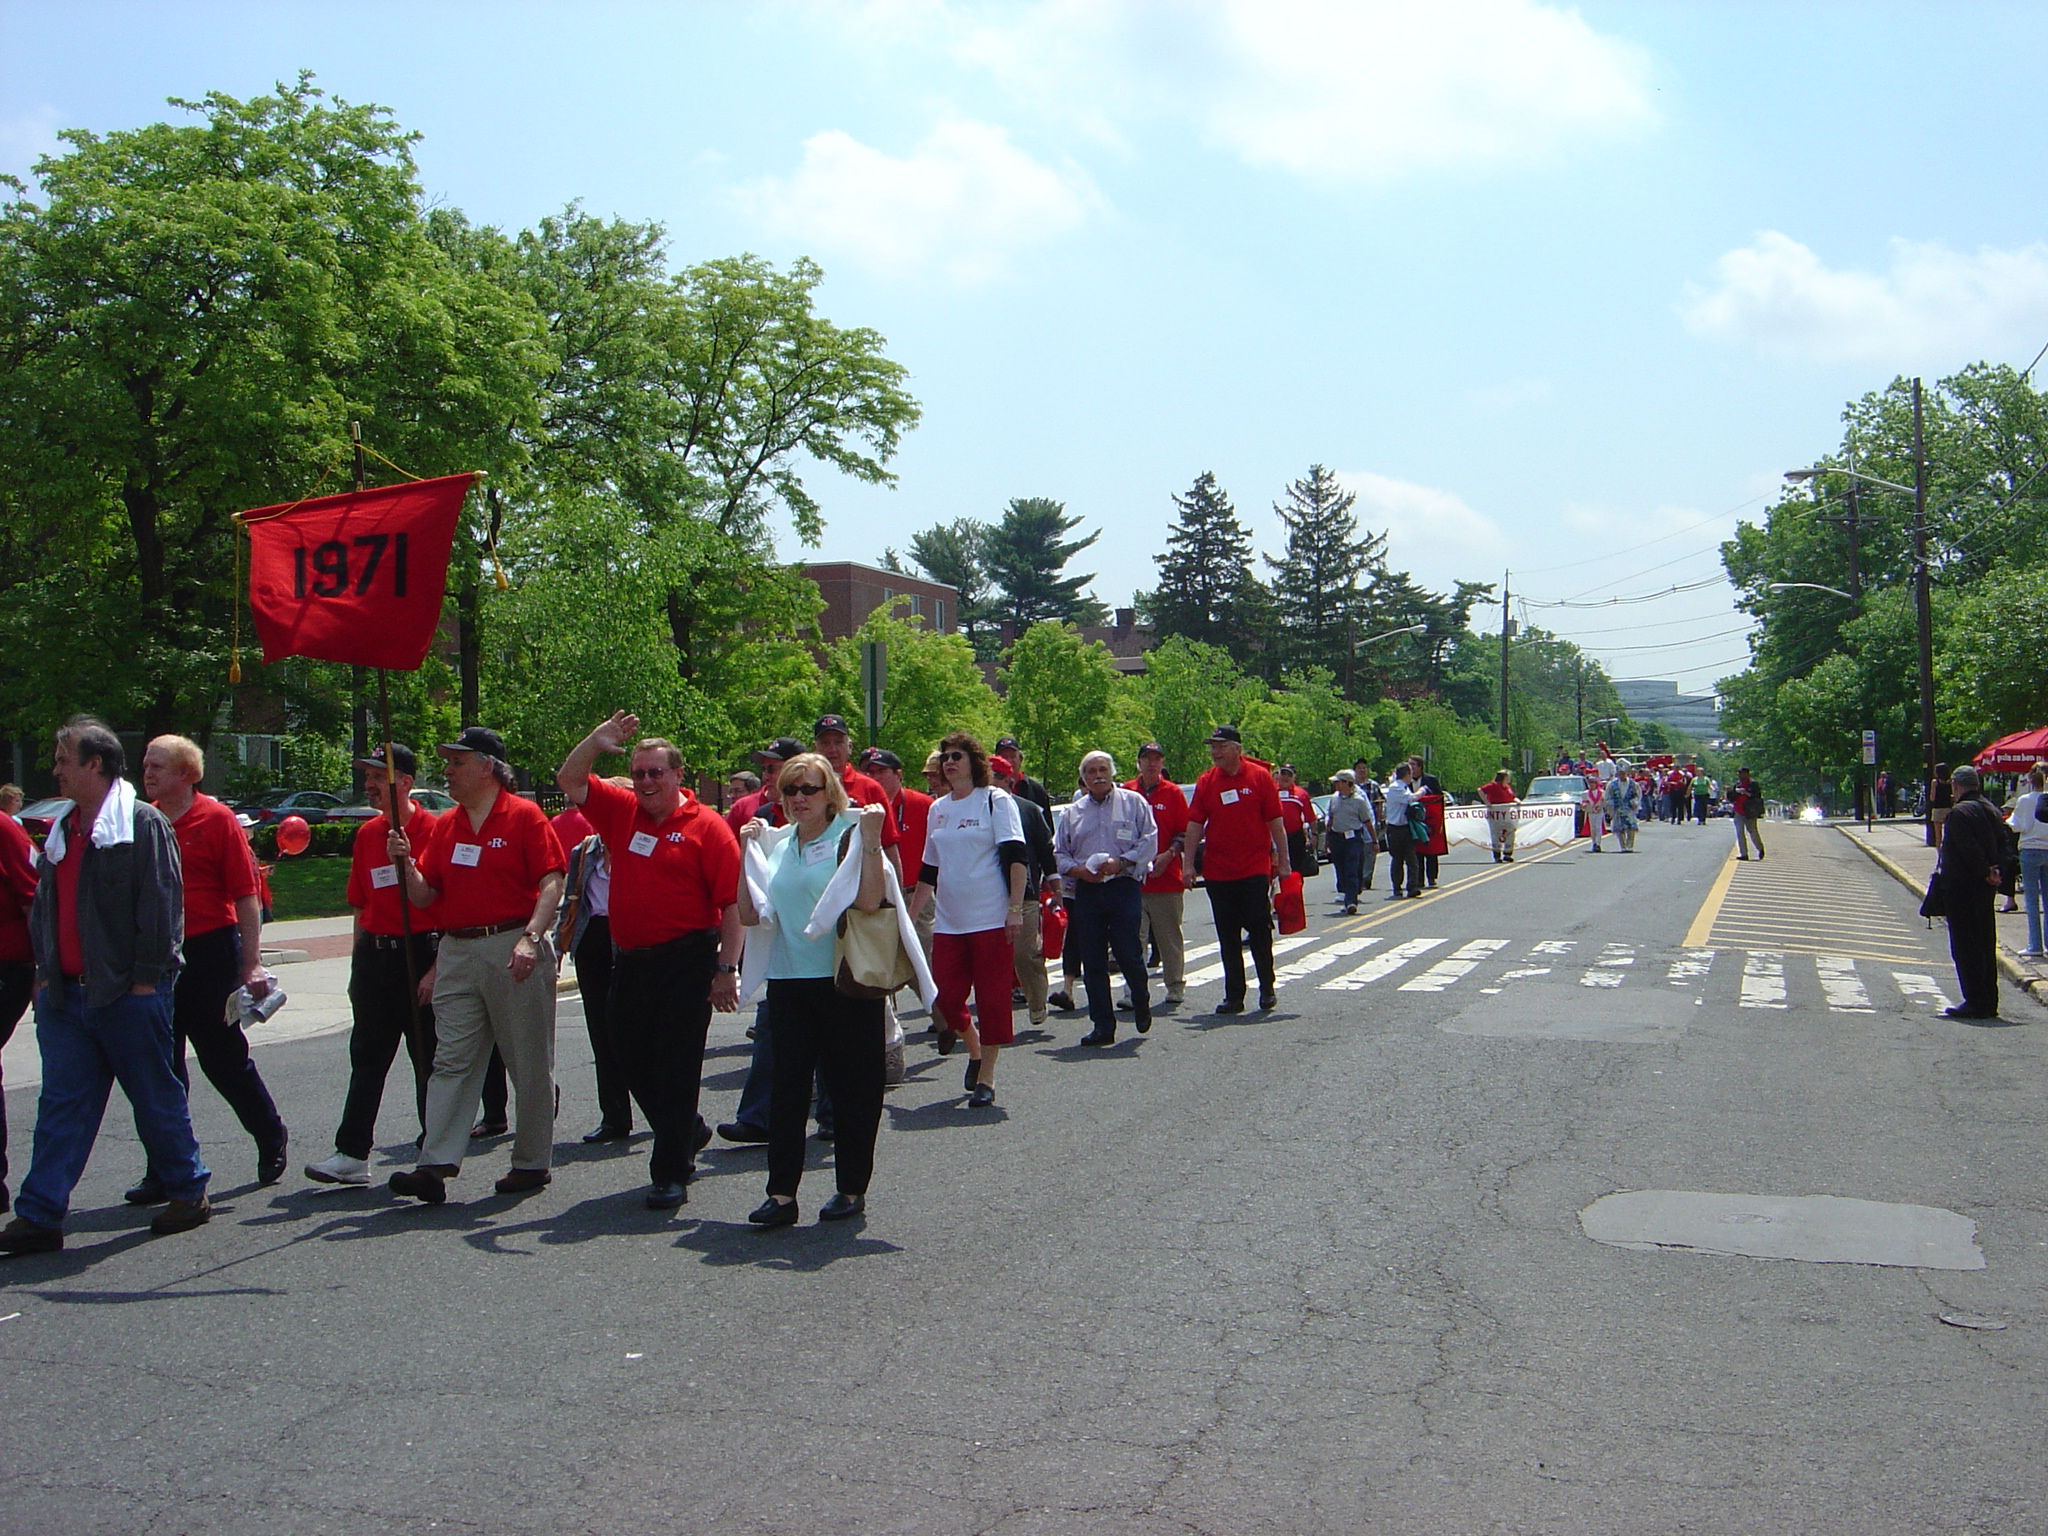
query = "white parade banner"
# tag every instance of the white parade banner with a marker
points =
(1545, 822)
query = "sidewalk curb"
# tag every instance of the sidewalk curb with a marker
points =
(2007, 962)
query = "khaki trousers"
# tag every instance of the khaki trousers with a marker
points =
(1160, 924)
(477, 1005)
(1027, 955)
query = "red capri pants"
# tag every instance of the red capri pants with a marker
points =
(983, 962)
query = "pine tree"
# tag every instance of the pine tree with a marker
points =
(1024, 555)
(1316, 582)
(1207, 591)
(952, 554)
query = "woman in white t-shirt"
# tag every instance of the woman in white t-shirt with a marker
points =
(974, 867)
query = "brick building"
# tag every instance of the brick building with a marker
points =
(853, 591)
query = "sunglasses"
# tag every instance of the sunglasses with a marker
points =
(952, 757)
(650, 773)
(803, 789)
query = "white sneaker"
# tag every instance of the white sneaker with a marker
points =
(340, 1168)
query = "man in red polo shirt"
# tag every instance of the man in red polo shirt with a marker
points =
(831, 741)
(1298, 818)
(764, 801)
(910, 809)
(17, 955)
(223, 951)
(675, 882)
(383, 1013)
(495, 867)
(1234, 824)
(1164, 882)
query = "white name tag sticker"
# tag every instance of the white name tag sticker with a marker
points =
(1229, 797)
(466, 854)
(818, 852)
(641, 843)
(382, 877)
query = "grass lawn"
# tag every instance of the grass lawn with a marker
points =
(308, 886)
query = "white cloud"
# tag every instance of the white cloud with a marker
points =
(962, 201)
(1431, 533)
(1336, 90)
(1934, 305)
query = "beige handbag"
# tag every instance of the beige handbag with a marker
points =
(867, 949)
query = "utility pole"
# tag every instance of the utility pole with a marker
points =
(1582, 702)
(1350, 654)
(1506, 627)
(1923, 606)
(1855, 553)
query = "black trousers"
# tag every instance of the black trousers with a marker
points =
(213, 970)
(818, 1028)
(1107, 914)
(1243, 907)
(17, 988)
(594, 982)
(1404, 864)
(1973, 945)
(660, 1007)
(377, 999)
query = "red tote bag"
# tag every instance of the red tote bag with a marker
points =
(1288, 905)
(1052, 924)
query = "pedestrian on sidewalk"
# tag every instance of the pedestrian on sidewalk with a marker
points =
(1970, 871)
(381, 1014)
(1748, 808)
(1941, 799)
(2032, 827)
(106, 926)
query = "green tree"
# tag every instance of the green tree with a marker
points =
(1989, 677)
(189, 318)
(1207, 591)
(1056, 693)
(933, 685)
(952, 555)
(1024, 555)
(1317, 580)
(1309, 723)
(1192, 689)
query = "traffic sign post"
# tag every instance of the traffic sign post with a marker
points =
(874, 673)
(1869, 789)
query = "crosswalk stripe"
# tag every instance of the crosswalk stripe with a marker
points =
(1841, 984)
(1455, 967)
(1211, 973)
(1606, 971)
(1691, 965)
(1763, 980)
(1308, 965)
(1381, 965)
(1921, 989)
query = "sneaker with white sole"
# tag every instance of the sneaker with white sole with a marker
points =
(340, 1168)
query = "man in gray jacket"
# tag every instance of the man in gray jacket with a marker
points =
(106, 925)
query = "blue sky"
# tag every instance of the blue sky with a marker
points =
(1556, 290)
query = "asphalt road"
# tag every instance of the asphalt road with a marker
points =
(1316, 1271)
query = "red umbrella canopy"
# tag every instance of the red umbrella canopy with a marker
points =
(2020, 750)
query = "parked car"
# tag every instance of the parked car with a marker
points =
(35, 818)
(1558, 786)
(435, 800)
(311, 805)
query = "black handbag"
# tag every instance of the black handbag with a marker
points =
(1933, 905)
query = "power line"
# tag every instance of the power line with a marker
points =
(1646, 597)
(1673, 645)
(1631, 629)
(1572, 565)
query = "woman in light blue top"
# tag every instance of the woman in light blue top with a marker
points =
(812, 1025)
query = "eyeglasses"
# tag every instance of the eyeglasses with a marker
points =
(952, 757)
(650, 773)
(803, 789)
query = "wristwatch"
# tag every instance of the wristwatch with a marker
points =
(722, 969)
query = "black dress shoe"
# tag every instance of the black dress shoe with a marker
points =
(606, 1133)
(982, 1096)
(1966, 1013)
(1268, 1000)
(747, 1135)
(703, 1137)
(423, 1184)
(270, 1165)
(1143, 1024)
(666, 1197)
(973, 1072)
(1099, 1037)
(1231, 1005)
(523, 1181)
(23, 1236)
(181, 1216)
(825, 1132)
(1061, 1000)
(773, 1213)
(841, 1206)
(149, 1190)
(945, 1041)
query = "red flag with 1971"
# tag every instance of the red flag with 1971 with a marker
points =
(355, 578)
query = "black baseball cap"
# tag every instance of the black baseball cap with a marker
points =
(1226, 733)
(1151, 749)
(780, 750)
(1008, 744)
(478, 738)
(830, 723)
(881, 757)
(401, 754)
(1287, 768)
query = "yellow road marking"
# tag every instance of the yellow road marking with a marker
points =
(1703, 920)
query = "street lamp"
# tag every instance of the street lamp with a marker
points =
(1923, 604)
(1810, 586)
(1409, 629)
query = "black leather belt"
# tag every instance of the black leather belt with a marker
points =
(485, 933)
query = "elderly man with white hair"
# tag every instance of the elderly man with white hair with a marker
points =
(1104, 845)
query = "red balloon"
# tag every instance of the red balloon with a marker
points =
(293, 835)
